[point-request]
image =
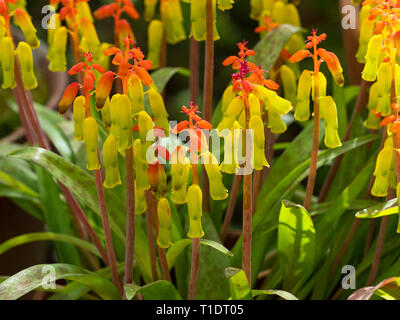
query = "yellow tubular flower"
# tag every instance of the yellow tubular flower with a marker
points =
(124, 122)
(227, 98)
(106, 114)
(140, 201)
(384, 85)
(225, 4)
(2, 27)
(289, 83)
(7, 62)
(272, 101)
(198, 17)
(25, 58)
(195, 203)
(384, 162)
(256, 9)
(292, 15)
(91, 143)
(256, 124)
(79, 113)
(279, 14)
(25, 23)
(149, 9)
(84, 10)
(275, 122)
(372, 121)
(321, 86)
(159, 112)
(164, 239)
(234, 109)
(180, 167)
(302, 111)
(155, 35)
(57, 54)
(329, 112)
(372, 58)
(114, 105)
(397, 75)
(146, 134)
(89, 32)
(230, 165)
(110, 162)
(217, 188)
(366, 32)
(136, 94)
(142, 179)
(171, 16)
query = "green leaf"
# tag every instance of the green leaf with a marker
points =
(33, 277)
(158, 290)
(384, 209)
(57, 216)
(46, 236)
(283, 294)
(179, 246)
(162, 76)
(270, 47)
(238, 283)
(296, 244)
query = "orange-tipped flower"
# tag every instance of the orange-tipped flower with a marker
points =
(68, 98)
(333, 64)
(299, 56)
(25, 23)
(103, 89)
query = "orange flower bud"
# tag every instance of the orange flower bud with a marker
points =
(105, 11)
(131, 11)
(333, 64)
(299, 55)
(68, 98)
(103, 89)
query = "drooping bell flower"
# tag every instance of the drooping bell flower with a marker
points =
(382, 173)
(372, 121)
(68, 98)
(275, 122)
(271, 100)
(231, 149)
(289, 83)
(124, 122)
(106, 114)
(25, 58)
(256, 123)
(140, 201)
(195, 203)
(89, 32)
(91, 143)
(256, 9)
(231, 114)
(149, 9)
(180, 168)
(110, 162)
(58, 50)
(103, 89)
(333, 64)
(79, 114)
(302, 111)
(25, 23)
(164, 239)
(141, 166)
(198, 18)
(384, 76)
(114, 105)
(366, 32)
(7, 62)
(322, 82)
(227, 98)
(217, 188)
(84, 10)
(136, 93)
(372, 58)
(172, 19)
(159, 112)
(329, 114)
(155, 35)
(146, 135)
(157, 178)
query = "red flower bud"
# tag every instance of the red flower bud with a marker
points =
(104, 88)
(68, 98)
